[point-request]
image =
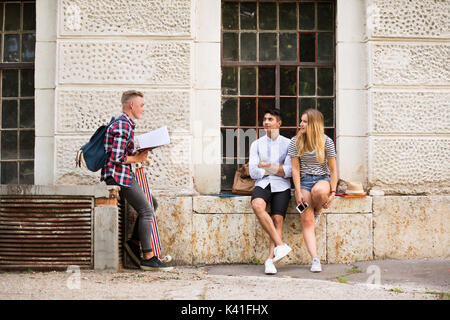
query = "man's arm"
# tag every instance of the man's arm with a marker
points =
(255, 171)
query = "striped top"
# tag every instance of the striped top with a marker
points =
(309, 163)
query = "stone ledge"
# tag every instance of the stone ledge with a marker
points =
(241, 204)
(96, 191)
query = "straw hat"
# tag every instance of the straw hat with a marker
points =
(355, 188)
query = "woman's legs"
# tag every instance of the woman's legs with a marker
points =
(316, 198)
(319, 195)
(307, 219)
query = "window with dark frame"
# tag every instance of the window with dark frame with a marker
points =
(17, 53)
(278, 54)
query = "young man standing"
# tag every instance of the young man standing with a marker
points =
(270, 165)
(119, 143)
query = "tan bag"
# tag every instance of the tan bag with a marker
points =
(243, 184)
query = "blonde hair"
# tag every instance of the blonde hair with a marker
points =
(128, 95)
(313, 139)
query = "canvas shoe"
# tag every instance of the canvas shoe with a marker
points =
(154, 264)
(270, 267)
(134, 250)
(280, 252)
(315, 266)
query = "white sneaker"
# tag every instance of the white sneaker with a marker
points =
(270, 267)
(280, 252)
(316, 267)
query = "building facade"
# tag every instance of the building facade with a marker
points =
(377, 69)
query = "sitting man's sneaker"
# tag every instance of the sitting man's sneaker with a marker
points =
(316, 267)
(270, 267)
(280, 252)
(154, 264)
(134, 250)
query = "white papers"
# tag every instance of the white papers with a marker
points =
(153, 139)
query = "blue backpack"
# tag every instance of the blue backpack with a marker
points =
(92, 155)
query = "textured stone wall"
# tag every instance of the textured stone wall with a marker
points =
(106, 47)
(214, 230)
(408, 96)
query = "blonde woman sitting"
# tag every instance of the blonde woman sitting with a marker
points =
(314, 173)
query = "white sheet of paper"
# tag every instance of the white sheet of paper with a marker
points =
(153, 139)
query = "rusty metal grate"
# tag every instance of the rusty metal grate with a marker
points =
(46, 232)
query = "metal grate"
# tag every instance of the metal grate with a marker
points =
(46, 232)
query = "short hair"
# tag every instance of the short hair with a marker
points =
(130, 94)
(274, 112)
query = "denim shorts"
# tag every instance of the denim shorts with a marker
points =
(308, 181)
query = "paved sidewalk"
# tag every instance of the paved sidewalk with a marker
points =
(426, 279)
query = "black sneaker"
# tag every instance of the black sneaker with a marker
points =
(154, 264)
(134, 250)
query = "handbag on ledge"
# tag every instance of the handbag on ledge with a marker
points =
(243, 184)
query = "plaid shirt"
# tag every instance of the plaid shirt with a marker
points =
(119, 143)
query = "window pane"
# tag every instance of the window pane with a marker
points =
(325, 46)
(227, 176)
(306, 16)
(28, 46)
(229, 112)
(229, 144)
(27, 83)
(266, 81)
(27, 113)
(246, 138)
(26, 144)
(304, 104)
(288, 133)
(230, 15)
(264, 104)
(324, 16)
(12, 16)
(1, 18)
(9, 172)
(26, 172)
(10, 83)
(267, 46)
(325, 79)
(9, 145)
(307, 47)
(229, 81)
(248, 46)
(288, 81)
(307, 82)
(331, 133)
(248, 16)
(247, 112)
(230, 46)
(29, 16)
(288, 46)
(248, 81)
(267, 16)
(9, 114)
(288, 16)
(326, 107)
(288, 109)
(11, 49)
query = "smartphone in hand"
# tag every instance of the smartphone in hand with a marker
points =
(302, 207)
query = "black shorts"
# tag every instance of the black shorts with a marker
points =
(279, 201)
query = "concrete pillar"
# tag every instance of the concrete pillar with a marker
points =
(106, 237)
